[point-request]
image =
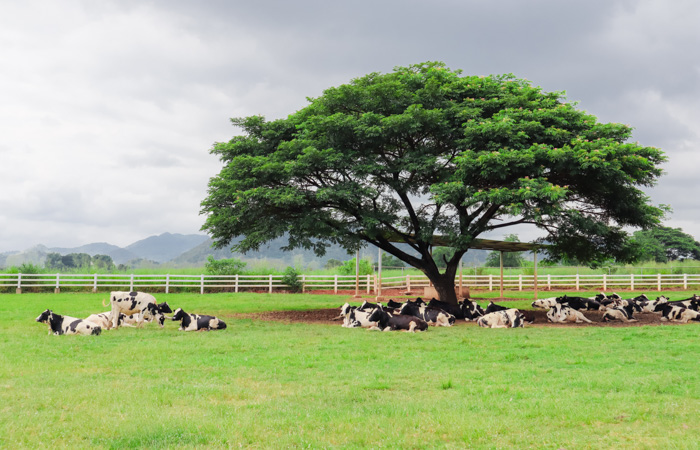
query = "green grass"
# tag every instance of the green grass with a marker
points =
(271, 385)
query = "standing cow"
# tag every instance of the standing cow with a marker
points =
(139, 303)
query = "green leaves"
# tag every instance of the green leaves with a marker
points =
(425, 150)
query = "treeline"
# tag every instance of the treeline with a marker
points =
(71, 261)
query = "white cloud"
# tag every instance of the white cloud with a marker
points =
(109, 108)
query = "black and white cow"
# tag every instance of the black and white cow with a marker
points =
(354, 317)
(389, 322)
(578, 303)
(393, 304)
(434, 316)
(141, 304)
(677, 313)
(59, 324)
(544, 303)
(623, 313)
(492, 307)
(690, 303)
(465, 309)
(607, 300)
(561, 313)
(197, 322)
(650, 305)
(471, 309)
(505, 318)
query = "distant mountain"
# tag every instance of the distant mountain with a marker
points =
(160, 249)
(166, 246)
(271, 253)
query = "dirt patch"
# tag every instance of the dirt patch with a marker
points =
(328, 317)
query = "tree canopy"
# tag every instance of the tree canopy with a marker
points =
(663, 244)
(425, 151)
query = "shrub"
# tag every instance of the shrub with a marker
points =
(291, 279)
(231, 266)
(348, 267)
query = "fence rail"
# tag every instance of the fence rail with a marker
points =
(365, 283)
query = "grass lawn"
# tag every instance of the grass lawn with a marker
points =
(271, 385)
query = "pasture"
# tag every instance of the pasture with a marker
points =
(269, 384)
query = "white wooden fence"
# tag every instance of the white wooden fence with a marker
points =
(365, 284)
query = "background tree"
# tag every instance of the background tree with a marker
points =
(663, 244)
(510, 259)
(391, 261)
(425, 151)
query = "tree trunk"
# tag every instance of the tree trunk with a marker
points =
(445, 287)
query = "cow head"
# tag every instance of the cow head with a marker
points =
(153, 311)
(178, 315)
(164, 308)
(44, 317)
(377, 315)
(346, 309)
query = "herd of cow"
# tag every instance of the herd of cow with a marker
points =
(135, 308)
(417, 315)
(128, 309)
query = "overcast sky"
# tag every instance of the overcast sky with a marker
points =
(108, 109)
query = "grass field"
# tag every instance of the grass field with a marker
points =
(270, 385)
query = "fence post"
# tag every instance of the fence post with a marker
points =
(631, 282)
(58, 286)
(235, 284)
(270, 283)
(408, 284)
(658, 281)
(490, 282)
(19, 283)
(577, 282)
(167, 283)
(303, 284)
(368, 283)
(605, 282)
(94, 284)
(335, 284)
(520, 282)
(131, 285)
(685, 281)
(549, 281)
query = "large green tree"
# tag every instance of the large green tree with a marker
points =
(663, 244)
(425, 151)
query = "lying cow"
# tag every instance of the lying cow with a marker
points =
(545, 303)
(434, 316)
(623, 313)
(388, 322)
(354, 317)
(578, 303)
(690, 303)
(466, 309)
(650, 305)
(196, 322)
(143, 305)
(59, 324)
(677, 313)
(506, 318)
(492, 307)
(562, 313)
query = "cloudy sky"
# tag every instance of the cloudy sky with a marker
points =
(108, 109)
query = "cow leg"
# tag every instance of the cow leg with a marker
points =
(114, 318)
(139, 320)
